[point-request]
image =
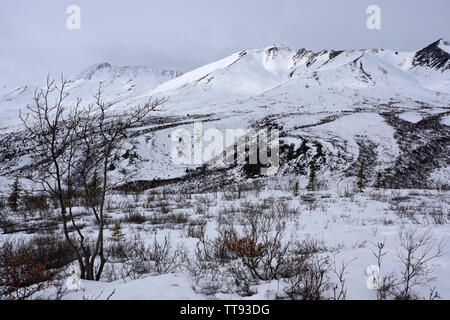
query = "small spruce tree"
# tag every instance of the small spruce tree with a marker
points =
(116, 233)
(296, 188)
(378, 183)
(361, 178)
(94, 188)
(13, 199)
(312, 177)
(126, 188)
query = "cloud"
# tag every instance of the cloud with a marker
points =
(179, 34)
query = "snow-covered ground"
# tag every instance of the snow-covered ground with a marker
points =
(345, 222)
(382, 110)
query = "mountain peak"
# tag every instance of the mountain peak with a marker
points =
(103, 65)
(444, 45)
(89, 72)
(436, 55)
(104, 69)
(276, 47)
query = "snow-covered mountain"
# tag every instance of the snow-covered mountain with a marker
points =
(119, 83)
(431, 64)
(375, 73)
(338, 109)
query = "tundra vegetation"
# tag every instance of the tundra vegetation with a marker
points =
(296, 236)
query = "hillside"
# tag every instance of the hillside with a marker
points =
(364, 148)
(336, 108)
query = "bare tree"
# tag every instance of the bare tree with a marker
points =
(340, 290)
(100, 135)
(415, 253)
(72, 142)
(52, 126)
(418, 251)
(386, 284)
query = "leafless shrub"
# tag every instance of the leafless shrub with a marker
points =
(164, 208)
(255, 250)
(397, 197)
(50, 251)
(72, 144)
(415, 253)
(310, 200)
(258, 253)
(205, 268)
(347, 191)
(128, 206)
(35, 202)
(201, 208)
(205, 199)
(310, 246)
(150, 199)
(283, 210)
(196, 229)
(438, 215)
(339, 289)
(169, 219)
(309, 280)
(231, 195)
(22, 278)
(405, 211)
(177, 218)
(136, 197)
(135, 217)
(157, 258)
(162, 203)
(182, 200)
(27, 267)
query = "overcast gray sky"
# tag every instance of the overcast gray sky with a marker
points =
(184, 34)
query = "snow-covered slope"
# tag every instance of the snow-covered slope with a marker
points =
(314, 97)
(119, 83)
(384, 111)
(422, 75)
(381, 74)
(241, 75)
(431, 66)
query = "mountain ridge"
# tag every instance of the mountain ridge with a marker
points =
(249, 73)
(336, 109)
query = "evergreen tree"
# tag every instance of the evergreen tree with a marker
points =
(13, 200)
(94, 188)
(117, 234)
(312, 177)
(126, 189)
(378, 183)
(361, 178)
(296, 188)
